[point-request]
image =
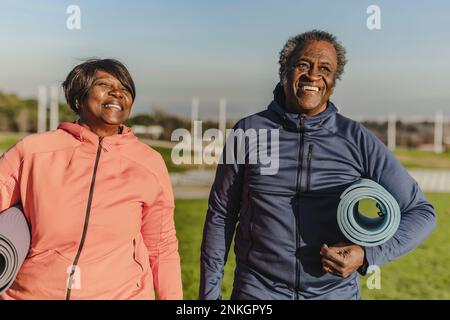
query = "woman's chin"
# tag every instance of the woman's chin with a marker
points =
(112, 121)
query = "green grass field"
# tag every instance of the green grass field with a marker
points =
(416, 159)
(421, 274)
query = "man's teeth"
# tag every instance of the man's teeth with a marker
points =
(113, 106)
(310, 88)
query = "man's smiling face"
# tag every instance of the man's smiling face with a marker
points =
(310, 78)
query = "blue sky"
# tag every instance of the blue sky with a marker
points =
(211, 49)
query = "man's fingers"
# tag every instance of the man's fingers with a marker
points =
(331, 267)
(332, 254)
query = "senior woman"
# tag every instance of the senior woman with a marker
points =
(98, 201)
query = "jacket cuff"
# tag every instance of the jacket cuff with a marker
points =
(368, 260)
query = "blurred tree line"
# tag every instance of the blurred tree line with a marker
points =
(18, 114)
(409, 135)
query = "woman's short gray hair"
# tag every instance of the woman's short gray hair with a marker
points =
(300, 40)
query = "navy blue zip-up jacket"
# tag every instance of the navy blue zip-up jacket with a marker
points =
(285, 218)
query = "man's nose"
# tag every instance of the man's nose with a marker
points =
(313, 73)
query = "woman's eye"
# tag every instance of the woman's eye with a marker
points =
(302, 66)
(325, 69)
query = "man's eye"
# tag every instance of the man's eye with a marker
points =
(302, 66)
(325, 69)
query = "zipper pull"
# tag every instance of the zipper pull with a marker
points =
(302, 124)
(310, 152)
(100, 145)
(308, 178)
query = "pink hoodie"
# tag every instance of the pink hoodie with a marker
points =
(101, 217)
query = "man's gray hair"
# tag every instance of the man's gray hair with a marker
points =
(300, 40)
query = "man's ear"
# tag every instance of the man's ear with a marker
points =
(332, 88)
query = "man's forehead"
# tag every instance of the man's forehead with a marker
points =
(317, 49)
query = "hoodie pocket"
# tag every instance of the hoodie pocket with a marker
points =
(136, 256)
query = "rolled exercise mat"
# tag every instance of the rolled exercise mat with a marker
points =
(14, 245)
(361, 229)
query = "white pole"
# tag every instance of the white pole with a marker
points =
(42, 109)
(392, 128)
(195, 128)
(54, 107)
(223, 117)
(194, 116)
(194, 112)
(438, 131)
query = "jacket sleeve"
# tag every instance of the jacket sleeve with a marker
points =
(158, 232)
(417, 214)
(221, 218)
(10, 166)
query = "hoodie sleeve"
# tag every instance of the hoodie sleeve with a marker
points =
(417, 214)
(221, 218)
(10, 164)
(158, 232)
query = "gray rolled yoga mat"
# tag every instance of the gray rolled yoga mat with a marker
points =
(361, 229)
(14, 245)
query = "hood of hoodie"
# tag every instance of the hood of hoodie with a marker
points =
(85, 135)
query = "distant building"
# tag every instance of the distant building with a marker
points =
(154, 132)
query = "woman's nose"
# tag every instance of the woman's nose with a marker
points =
(116, 92)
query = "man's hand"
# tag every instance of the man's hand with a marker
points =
(342, 260)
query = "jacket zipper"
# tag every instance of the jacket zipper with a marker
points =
(296, 215)
(86, 220)
(309, 157)
(251, 225)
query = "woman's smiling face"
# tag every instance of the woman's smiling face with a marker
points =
(311, 78)
(108, 104)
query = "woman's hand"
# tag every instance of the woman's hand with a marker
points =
(342, 260)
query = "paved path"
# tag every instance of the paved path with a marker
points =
(432, 180)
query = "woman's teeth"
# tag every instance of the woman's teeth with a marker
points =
(113, 106)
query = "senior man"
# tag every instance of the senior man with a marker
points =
(288, 244)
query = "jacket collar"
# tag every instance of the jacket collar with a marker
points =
(292, 120)
(85, 135)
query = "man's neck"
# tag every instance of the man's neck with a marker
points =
(305, 112)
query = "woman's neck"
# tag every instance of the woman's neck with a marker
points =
(103, 131)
